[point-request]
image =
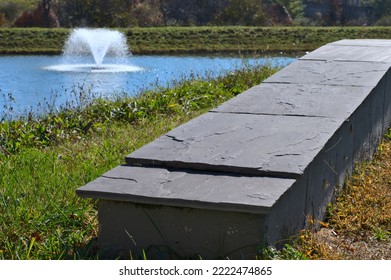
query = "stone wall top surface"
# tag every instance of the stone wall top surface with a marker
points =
(338, 73)
(247, 153)
(278, 146)
(363, 42)
(160, 186)
(353, 51)
(297, 100)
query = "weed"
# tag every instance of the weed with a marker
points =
(380, 234)
(388, 135)
(288, 252)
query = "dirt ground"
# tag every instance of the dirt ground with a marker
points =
(343, 247)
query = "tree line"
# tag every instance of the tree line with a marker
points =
(129, 13)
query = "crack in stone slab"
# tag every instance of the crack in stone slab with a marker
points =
(287, 154)
(119, 178)
(260, 196)
(287, 105)
(176, 139)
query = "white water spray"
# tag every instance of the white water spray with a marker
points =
(96, 42)
(87, 43)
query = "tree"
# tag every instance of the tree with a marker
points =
(3, 20)
(144, 13)
(295, 7)
(42, 16)
(190, 12)
(380, 8)
(243, 12)
(46, 7)
(9, 10)
(108, 13)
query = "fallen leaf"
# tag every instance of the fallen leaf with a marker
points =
(323, 224)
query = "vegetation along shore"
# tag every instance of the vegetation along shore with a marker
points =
(202, 39)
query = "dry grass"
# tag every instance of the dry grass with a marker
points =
(359, 221)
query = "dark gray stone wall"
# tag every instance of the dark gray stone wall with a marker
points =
(255, 169)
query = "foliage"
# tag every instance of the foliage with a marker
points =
(295, 7)
(242, 12)
(380, 8)
(32, 40)
(9, 10)
(230, 39)
(42, 16)
(189, 12)
(384, 21)
(288, 252)
(131, 13)
(365, 205)
(3, 20)
(94, 13)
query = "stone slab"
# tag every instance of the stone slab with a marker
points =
(362, 42)
(350, 53)
(297, 100)
(160, 186)
(331, 73)
(275, 146)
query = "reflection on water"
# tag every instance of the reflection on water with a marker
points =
(92, 68)
(34, 80)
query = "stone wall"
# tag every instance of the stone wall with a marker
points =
(255, 169)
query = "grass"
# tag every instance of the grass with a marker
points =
(41, 216)
(227, 39)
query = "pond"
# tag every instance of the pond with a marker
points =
(28, 83)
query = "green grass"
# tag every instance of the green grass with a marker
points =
(227, 39)
(32, 40)
(41, 216)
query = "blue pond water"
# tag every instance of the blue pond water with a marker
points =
(29, 82)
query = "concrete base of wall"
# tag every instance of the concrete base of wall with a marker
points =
(176, 232)
(252, 171)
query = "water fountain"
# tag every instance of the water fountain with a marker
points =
(99, 60)
(86, 49)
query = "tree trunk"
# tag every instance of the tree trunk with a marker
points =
(46, 6)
